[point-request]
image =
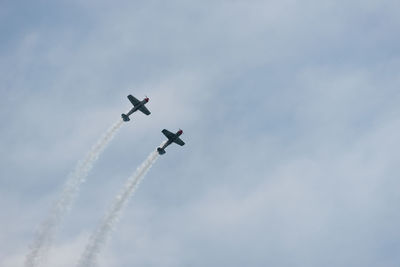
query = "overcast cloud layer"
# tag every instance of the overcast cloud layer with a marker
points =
(290, 112)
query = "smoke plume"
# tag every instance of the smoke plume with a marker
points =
(45, 235)
(98, 239)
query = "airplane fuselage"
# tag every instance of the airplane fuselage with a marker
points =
(166, 144)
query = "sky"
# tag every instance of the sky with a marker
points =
(290, 113)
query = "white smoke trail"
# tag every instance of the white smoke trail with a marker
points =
(99, 237)
(45, 235)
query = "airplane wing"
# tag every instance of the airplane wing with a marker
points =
(168, 134)
(144, 110)
(173, 137)
(133, 100)
(179, 141)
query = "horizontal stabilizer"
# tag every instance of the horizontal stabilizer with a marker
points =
(125, 117)
(160, 151)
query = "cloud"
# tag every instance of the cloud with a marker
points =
(289, 112)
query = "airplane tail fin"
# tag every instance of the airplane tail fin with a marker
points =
(160, 151)
(125, 117)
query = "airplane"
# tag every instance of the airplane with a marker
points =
(172, 138)
(137, 105)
